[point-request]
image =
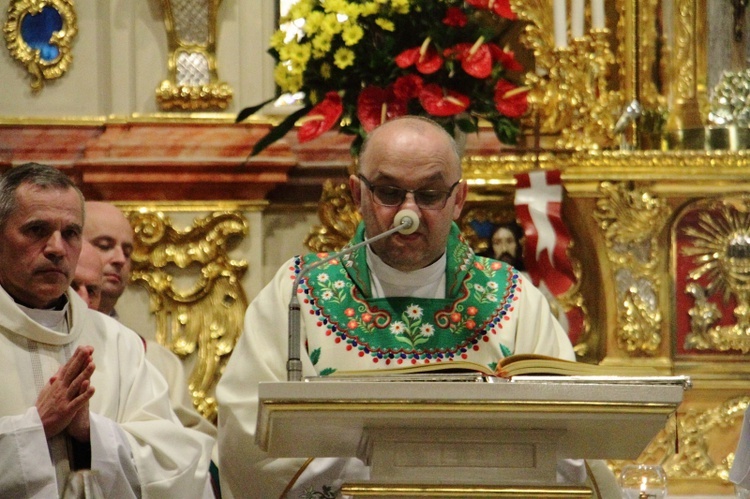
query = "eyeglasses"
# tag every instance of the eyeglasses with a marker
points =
(426, 199)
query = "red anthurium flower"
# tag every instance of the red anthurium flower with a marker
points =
(505, 57)
(499, 7)
(377, 105)
(426, 58)
(455, 17)
(442, 103)
(476, 58)
(510, 100)
(321, 118)
(408, 86)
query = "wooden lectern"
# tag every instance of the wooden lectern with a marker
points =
(503, 438)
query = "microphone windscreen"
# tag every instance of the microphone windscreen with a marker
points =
(405, 216)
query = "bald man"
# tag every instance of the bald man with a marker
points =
(110, 232)
(89, 275)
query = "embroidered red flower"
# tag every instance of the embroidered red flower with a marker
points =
(425, 58)
(455, 317)
(470, 324)
(499, 7)
(472, 311)
(476, 58)
(321, 118)
(438, 102)
(349, 312)
(377, 105)
(510, 100)
(455, 17)
(366, 317)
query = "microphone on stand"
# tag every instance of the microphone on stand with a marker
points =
(405, 222)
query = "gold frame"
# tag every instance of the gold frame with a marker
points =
(29, 57)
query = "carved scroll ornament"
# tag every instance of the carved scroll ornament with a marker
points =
(205, 317)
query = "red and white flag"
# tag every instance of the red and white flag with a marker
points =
(538, 201)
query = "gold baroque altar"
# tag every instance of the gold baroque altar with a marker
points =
(664, 244)
(664, 241)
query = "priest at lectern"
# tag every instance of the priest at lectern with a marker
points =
(414, 297)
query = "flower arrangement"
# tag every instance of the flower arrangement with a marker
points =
(362, 62)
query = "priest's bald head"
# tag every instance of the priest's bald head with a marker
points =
(411, 163)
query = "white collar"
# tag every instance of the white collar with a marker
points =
(428, 282)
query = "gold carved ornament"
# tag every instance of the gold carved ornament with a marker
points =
(720, 247)
(569, 94)
(205, 317)
(50, 26)
(631, 219)
(193, 83)
(339, 218)
(693, 457)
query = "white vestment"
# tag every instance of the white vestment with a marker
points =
(170, 366)
(138, 447)
(261, 355)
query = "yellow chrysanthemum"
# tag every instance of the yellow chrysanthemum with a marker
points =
(335, 6)
(300, 54)
(330, 25)
(352, 34)
(343, 58)
(369, 9)
(313, 22)
(299, 10)
(285, 51)
(352, 11)
(321, 44)
(288, 81)
(277, 40)
(385, 24)
(400, 6)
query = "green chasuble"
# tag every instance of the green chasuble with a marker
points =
(380, 332)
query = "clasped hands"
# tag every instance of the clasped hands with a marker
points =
(63, 402)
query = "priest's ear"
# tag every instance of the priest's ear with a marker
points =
(462, 190)
(355, 187)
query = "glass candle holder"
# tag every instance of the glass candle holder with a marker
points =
(643, 481)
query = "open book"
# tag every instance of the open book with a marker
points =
(515, 365)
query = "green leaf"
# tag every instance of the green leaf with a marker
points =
(249, 111)
(315, 356)
(279, 130)
(506, 131)
(467, 125)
